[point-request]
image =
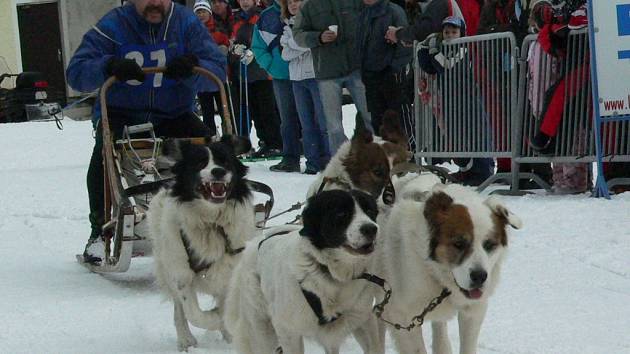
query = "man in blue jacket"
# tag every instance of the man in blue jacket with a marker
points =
(142, 33)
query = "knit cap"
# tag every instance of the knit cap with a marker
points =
(202, 5)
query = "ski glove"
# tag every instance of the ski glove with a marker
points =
(181, 67)
(247, 57)
(124, 69)
(239, 49)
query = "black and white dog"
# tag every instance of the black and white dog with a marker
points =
(307, 283)
(199, 227)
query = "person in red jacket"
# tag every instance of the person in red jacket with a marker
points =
(207, 100)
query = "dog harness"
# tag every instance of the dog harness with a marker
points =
(197, 265)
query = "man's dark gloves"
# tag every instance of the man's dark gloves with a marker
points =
(181, 67)
(124, 69)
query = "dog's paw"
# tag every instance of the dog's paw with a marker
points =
(185, 342)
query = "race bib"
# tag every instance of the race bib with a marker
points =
(148, 56)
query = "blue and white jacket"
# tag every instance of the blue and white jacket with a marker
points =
(123, 33)
(266, 43)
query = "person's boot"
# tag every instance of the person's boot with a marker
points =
(542, 144)
(94, 252)
(285, 166)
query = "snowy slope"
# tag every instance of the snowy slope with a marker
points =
(565, 288)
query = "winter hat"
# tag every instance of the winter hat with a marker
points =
(202, 5)
(453, 21)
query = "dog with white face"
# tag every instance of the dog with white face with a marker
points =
(199, 227)
(308, 282)
(447, 237)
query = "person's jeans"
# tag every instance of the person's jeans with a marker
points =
(311, 113)
(289, 121)
(331, 93)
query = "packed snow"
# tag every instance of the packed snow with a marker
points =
(565, 286)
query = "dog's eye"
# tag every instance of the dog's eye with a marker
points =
(378, 172)
(489, 246)
(460, 244)
(340, 215)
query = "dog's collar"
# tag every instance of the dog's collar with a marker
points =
(197, 265)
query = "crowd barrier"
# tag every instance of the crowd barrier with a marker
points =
(489, 102)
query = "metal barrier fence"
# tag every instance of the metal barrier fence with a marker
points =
(491, 102)
(467, 110)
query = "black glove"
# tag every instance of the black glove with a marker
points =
(124, 69)
(181, 67)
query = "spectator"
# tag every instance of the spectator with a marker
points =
(207, 100)
(504, 16)
(329, 29)
(306, 92)
(428, 20)
(383, 63)
(554, 30)
(254, 92)
(471, 10)
(223, 16)
(123, 39)
(266, 47)
(433, 59)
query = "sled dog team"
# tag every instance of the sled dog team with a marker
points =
(309, 281)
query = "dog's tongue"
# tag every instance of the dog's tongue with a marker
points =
(475, 293)
(218, 189)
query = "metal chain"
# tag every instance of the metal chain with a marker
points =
(416, 321)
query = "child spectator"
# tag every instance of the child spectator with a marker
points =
(254, 91)
(433, 60)
(306, 92)
(207, 100)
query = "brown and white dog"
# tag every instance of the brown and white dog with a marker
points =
(365, 162)
(443, 237)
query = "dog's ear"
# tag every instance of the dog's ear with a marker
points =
(361, 132)
(502, 212)
(436, 207)
(238, 144)
(311, 219)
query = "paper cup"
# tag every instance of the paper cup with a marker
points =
(333, 28)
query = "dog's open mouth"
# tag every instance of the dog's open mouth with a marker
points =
(474, 294)
(363, 250)
(215, 192)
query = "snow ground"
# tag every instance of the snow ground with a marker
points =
(565, 287)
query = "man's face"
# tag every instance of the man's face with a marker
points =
(154, 11)
(219, 7)
(246, 4)
(450, 32)
(370, 2)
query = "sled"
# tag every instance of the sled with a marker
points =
(135, 169)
